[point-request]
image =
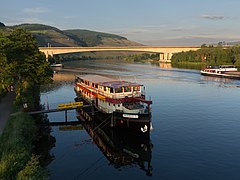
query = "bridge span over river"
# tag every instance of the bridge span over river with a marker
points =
(165, 53)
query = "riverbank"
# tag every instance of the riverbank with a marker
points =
(16, 142)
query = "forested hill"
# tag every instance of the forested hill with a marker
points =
(55, 37)
(93, 38)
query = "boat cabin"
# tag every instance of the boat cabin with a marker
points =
(110, 87)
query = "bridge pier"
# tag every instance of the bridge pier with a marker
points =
(47, 54)
(165, 57)
(161, 56)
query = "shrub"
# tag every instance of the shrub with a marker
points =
(16, 144)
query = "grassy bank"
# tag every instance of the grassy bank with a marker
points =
(16, 145)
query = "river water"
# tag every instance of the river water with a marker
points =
(196, 127)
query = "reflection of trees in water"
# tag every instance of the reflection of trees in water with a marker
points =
(54, 86)
(45, 142)
(59, 79)
(187, 66)
(177, 65)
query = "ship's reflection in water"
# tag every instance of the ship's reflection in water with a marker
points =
(121, 148)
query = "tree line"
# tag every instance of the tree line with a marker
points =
(22, 65)
(211, 55)
(142, 57)
(25, 68)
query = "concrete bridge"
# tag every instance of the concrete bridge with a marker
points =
(165, 52)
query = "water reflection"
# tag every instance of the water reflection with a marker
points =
(165, 65)
(162, 65)
(45, 141)
(121, 148)
(196, 129)
(216, 79)
(187, 66)
(221, 82)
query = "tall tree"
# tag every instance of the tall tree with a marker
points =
(29, 66)
(30, 63)
(5, 68)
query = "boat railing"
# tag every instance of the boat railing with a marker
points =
(114, 95)
(120, 95)
(104, 109)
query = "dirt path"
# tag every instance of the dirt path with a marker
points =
(6, 109)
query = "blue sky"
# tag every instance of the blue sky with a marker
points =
(151, 22)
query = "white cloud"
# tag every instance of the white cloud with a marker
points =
(31, 20)
(36, 10)
(212, 17)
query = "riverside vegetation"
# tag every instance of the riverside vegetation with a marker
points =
(210, 55)
(142, 57)
(23, 66)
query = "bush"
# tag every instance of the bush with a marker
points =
(16, 144)
(32, 170)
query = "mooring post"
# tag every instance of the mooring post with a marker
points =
(65, 115)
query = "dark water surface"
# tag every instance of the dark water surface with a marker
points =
(196, 128)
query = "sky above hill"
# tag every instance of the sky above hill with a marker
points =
(151, 22)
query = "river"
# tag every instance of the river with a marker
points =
(195, 119)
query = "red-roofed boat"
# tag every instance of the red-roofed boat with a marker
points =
(124, 101)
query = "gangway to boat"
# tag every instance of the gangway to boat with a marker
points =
(55, 110)
(61, 107)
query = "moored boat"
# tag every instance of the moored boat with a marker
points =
(226, 71)
(56, 65)
(123, 101)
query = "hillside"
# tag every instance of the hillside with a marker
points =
(50, 35)
(55, 37)
(93, 38)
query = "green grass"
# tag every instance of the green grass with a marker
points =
(16, 144)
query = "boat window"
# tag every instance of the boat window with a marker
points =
(127, 89)
(104, 88)
(136, 88)
(111, 90)
(118, 90)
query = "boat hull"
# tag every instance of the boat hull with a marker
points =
(56, 65)
(128, 121)
(230, 75)
(136, 122)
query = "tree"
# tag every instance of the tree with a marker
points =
(5, 68)
(29, 68)
(2, 25)
(30, 63)
(210, 55)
